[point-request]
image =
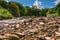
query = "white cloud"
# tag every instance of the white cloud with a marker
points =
(38, 4)
(42, 7)
(6, 0)
(30, 6)
(56, 2)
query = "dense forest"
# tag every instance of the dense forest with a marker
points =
(15, 9)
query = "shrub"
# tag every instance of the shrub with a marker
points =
(54, 15)
(4, 14)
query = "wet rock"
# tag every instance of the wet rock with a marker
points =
(59, 29)
(17, 25)
(30, 28)
(41, 23)
(20, 35)
(57, 33)
(49, 33)
(42, 38)
(57, 38)
(13, 38)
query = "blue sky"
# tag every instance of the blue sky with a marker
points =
(44, 3)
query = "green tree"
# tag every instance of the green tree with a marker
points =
(57, 8)
(36, 12)
(14, 9)
(21, 8)
(44, 11)
(32, 11)
(4, 13)
(51, 11)
(27, 11)
(3, 3)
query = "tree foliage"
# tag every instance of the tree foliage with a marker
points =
(57, 8)
(4, 14)
(3, 3)
(15, 9)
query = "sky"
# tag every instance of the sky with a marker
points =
(42, 3)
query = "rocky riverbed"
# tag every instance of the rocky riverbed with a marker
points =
(30, 28)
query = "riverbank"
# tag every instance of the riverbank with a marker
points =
(30, 28)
